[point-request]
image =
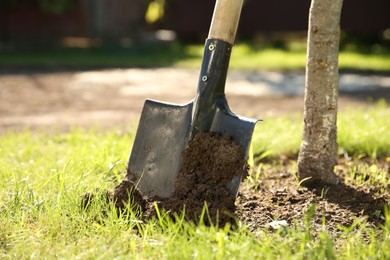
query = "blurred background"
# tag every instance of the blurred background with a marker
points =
(94, 23)
(83, 60)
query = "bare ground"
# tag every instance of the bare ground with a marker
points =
(114, 98)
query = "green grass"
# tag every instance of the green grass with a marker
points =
(245, 56)
(44, 174)
(365, 132)
(361, 133)
(139, 56)
(250, 57)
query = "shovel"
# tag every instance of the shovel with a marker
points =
(164, 128)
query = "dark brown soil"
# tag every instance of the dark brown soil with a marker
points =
(126, 190)
(280, 201)
(276, 200)
(210, 162)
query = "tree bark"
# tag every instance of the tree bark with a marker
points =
(318, 152)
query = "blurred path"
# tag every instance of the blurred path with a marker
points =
(114, 98)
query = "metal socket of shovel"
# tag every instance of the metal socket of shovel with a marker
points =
(165, 128)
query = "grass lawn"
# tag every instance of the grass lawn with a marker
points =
(360, 134)
(43, 176)
(245, 56)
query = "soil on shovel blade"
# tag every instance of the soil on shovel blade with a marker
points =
(210, 162)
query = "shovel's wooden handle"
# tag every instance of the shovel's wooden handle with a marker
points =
(225, 20)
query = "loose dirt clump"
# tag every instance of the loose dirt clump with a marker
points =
(210, 162)
(126, 190)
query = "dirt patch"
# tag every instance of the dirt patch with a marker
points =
(113, 99)
(278, 199)
(274, 201)
(210, 162)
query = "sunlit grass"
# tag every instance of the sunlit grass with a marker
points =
(364, 61)
(278, 136)
(365, 132)
(44, 174)
(361, 133)
(245, 56)
(250, 57)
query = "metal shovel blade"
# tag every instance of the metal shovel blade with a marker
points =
(239, 128)
(163, 132)
(165, 129)
(156, 156)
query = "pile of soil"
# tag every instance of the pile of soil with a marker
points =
(277, 200)
(210, 162)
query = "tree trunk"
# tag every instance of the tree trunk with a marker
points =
(318, 153)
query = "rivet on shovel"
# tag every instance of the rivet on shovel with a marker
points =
(204, 78)
(211, 47)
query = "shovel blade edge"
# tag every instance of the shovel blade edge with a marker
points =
(156, 156)
(240, 129)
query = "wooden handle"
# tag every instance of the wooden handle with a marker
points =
(225, 20)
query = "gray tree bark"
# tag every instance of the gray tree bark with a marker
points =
(318, 152)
